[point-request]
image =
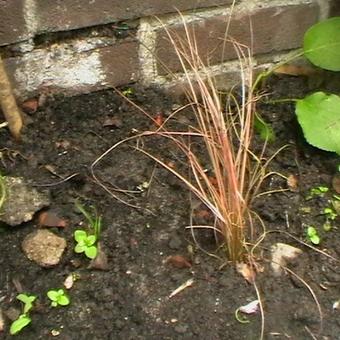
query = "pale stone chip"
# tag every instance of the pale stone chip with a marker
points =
(282, 254)
(44, 247)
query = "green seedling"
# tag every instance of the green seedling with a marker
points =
(327, 226)
(85, 244)
(23, 320)
(128, 92)
(58, 298)
(319, 191)
(87, 241)
(312, 235)
(330, 214)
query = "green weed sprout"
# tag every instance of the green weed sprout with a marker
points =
(85, 244)
(23, 320)
(313, 236)
(58, 298)
(319, 191)
(330, 214)
(87, 241)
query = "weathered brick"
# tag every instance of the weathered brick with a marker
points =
(74, 67)
(272, 29)
(59, 15)
(120, 63)
(12, 22)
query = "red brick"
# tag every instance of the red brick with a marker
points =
(274, 29)
(120, 63)
(12, 23)
(59, 15)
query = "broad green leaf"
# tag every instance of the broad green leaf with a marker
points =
(19, 324)
(91, 252)
(321, 44)
(319, 117)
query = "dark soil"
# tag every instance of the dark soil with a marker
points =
(130, 300)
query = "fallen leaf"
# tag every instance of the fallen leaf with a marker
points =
(100, 262)
(250, 308)
(2, 322)
(296, 70)
(8, 104)
(246, 271)
(292, 182)
(50, 219)
(158, 119)
(69, 281)
(178, 261)
(282, 254)
(30, 105)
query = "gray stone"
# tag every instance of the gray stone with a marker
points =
(44, 247)
(21, 202)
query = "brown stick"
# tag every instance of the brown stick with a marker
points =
(8, 104)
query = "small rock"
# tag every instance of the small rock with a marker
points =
(282, 254)
(44, 247)
(181, 329)
(51, 219)
(175, 242)
(21, 202)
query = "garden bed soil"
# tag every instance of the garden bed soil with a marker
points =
(130, 300)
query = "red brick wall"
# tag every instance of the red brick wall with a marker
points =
(73, 45)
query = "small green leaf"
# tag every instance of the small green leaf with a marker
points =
(319, 117)
(53, 295)
(63, 300)
(54, 304)
(321, 44)
(91, 252)
(315, 239)
(313, 235)
(80, 248)
(90, 240)
(19, 324)
(27, 300)
(80, 235)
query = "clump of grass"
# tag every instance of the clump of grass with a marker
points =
(225, 134)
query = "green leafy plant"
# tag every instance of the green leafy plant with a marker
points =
(330, 214)
(58, 297)
(24, 319)
(318, 113)
(312, 235)
(87, 241)
(317, 192)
